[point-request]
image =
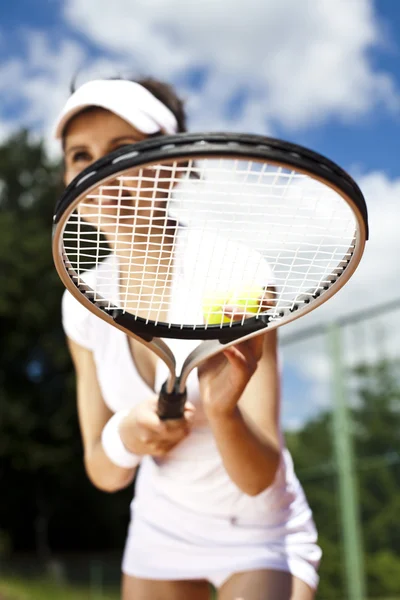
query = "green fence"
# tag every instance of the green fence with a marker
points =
(357, 375)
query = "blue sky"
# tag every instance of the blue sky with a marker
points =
(325, 75)
(366, 141)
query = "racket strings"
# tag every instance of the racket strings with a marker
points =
(164, 246)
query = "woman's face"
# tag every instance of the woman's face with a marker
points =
(93, 134)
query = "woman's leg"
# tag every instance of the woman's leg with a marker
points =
(265, 584)
(135, 588)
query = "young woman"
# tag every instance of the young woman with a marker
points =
(217, 500)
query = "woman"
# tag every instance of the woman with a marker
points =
(216, 500)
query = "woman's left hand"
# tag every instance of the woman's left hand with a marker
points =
(223, 377)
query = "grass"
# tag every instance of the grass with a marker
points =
(44, 589)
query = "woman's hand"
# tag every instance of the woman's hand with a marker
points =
(142, 431)
(224, 377)
(241, 396)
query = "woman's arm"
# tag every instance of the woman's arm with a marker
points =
(241, 394)
(93, 416)
(141, 431)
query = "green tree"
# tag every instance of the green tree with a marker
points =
(377, 444)
(44, 490)
(375, 427)
(312, 452)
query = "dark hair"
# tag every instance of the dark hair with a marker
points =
(167, 95)
(163, 92)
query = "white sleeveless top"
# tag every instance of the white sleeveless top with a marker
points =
(192, 475)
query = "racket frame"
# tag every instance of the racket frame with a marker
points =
(215, 338)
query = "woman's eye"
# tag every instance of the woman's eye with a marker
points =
(79, 156)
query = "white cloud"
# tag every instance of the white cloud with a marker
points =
(293, 424)
(5, 131)
(301, 62)
(294, 64)
(41, 82)
(310, 361)
(375, 282)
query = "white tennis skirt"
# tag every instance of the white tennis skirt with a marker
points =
(172, 543)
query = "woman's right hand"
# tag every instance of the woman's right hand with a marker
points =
(143, 432)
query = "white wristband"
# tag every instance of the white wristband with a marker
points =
(113, 445)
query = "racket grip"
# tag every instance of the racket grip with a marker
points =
(171, 405)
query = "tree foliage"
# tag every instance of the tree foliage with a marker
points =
(46, 499)
(375, 423)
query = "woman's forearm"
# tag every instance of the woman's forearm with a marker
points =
(104, 474)
(250, 460)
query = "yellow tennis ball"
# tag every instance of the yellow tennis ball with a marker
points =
(246, 300)
(213, 309)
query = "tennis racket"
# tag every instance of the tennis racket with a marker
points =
(213, 237)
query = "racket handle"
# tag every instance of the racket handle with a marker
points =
(171, 405)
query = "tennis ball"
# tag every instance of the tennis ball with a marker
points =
(213, 308)
(246, 300)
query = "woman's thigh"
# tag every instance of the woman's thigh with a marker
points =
(135, 588)
(265, 584)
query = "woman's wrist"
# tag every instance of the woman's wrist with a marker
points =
(216, 414)
(113, 445)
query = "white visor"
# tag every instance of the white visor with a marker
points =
(127, 99)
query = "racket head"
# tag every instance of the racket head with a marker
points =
(264, 231)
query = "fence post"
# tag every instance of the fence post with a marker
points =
(347, 476)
